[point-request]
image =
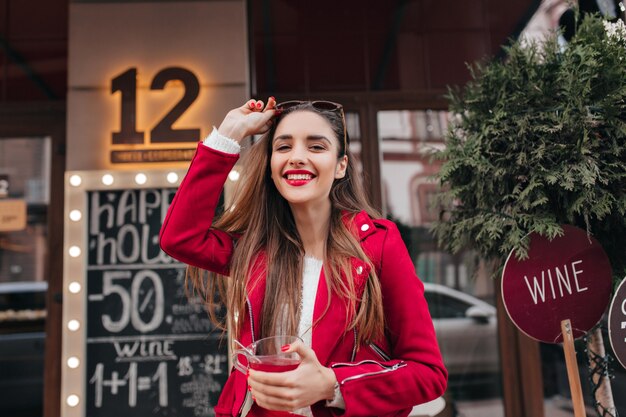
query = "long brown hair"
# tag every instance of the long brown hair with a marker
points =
(263, 220)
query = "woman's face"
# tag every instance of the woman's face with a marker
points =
(304, 160)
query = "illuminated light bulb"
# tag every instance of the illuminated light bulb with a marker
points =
(73, 362)
(107, 179)
(141, 178)
(172, 177)
(75, 215)
(74, 287)
(72, 400)
(233, 175)
(74, 251)
(73, 325)
(76, 180)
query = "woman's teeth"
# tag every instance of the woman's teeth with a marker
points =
(299, 177)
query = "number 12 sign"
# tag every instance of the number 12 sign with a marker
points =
(126, 84)
(163, 131)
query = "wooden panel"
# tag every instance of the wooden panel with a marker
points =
(330, 17)
(276, 17)
(336, 64)
(510, 363)
(532, 378)
(38, 19)
(448, 53)
(3, 83)
(280, 64)
(44, 61)
(413, 64)
(506, 19)
(414, 19)
(4, 4)
(377, 17)
(384, 61)
(52, 370)
(36, 36)
(453, 15)
(521, 368)
(411, 45)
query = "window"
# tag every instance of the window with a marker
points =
(24, 199)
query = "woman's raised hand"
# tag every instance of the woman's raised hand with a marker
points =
(253, 118)
(309, 383)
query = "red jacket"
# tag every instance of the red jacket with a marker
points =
(382, 379)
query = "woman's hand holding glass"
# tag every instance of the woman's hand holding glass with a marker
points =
(253, 118)
(309, 383)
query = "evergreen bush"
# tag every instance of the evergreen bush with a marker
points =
(538, 140)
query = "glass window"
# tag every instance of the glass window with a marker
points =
(24, 174)
(24, 198)
(354, 132)
(462, 307)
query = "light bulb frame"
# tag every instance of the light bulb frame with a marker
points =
(73, 381)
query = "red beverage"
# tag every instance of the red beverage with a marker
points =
(274, 364)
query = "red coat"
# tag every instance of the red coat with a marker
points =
(382, 379)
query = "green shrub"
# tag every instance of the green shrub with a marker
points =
(538, 140)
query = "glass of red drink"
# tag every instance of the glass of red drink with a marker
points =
(266, 355)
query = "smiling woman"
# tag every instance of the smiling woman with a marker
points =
(302, 253)
(304, 162)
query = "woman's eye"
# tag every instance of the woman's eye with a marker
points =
(317, 147)
(282, 148)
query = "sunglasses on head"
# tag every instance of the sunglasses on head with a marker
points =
(320, 105)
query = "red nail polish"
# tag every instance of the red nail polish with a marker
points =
(251, 105)
(285, 348)
(259, 105)
(272, 98)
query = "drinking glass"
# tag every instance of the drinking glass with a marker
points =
(266, 355)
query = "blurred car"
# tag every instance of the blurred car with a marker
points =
(467, 332)
(468, 338)
(22, 346)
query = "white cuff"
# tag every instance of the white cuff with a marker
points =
(337, 401)
(222, 143)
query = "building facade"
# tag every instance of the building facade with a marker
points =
(127, 87)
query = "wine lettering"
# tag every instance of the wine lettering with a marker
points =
(559, 282)
(144, 349)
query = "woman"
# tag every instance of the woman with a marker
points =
(306, 255)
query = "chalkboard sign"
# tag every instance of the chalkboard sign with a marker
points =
(149, 351)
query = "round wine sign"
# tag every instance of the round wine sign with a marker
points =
(568, 277)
